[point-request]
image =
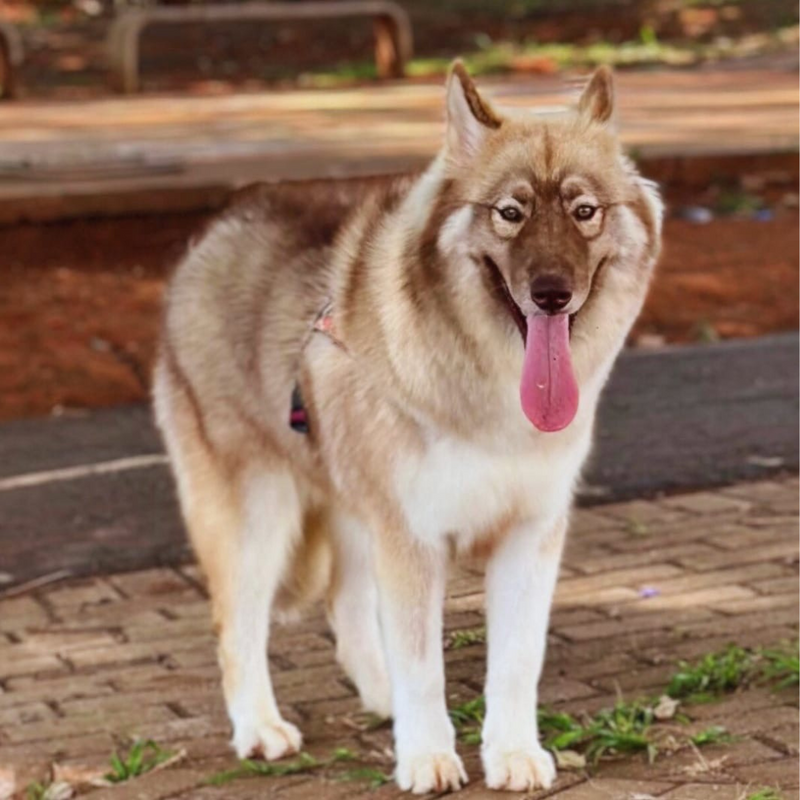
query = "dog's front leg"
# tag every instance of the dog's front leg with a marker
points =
(411, 580)
(520, 580)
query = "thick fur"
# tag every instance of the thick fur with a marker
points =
(418, 447)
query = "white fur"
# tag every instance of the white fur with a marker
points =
(520, 581)
(354, 615)
(271, 526)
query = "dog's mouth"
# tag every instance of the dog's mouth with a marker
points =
(548, 389)
(503, 293)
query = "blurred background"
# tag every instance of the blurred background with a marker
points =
(125, 124)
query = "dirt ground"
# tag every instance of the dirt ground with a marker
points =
(80, 301)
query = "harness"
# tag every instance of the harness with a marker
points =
(324, 324)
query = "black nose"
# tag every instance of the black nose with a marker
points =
(551, 293)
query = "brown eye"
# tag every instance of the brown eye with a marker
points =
(510, 213)
(584, 212)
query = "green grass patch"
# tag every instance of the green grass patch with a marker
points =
(36, 791)
(625, 728)
(466, 637)
(304, 763)
(494, 58)
(142, 756)
(371, 775)
(765, 794)
(781, 665)
(716, 734)
(717, 674)
(714, 674)
(631, 727)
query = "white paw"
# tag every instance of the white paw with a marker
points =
(434, 772)
(269, 741)
(518, 770)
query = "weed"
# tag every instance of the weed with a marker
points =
(468, 718)
(374, 776)
(466, 637)
(716, 674)
(36, 791)
(636, 527)
(781, 664)
(142, 756)
(716, 734)
(304, 762)
(622, 729)
(712, 675)
(248, 769)
(765, 794)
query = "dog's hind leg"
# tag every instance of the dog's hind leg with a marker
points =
(269, 527)
(244, 519)
(243, 531)
(353, 613)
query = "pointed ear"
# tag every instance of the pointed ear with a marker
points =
(597, 101)
(469, 117)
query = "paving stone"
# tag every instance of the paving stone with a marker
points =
(134, 653)
(644, 513)
(706, 791)
(155, 583)
(153, 786)
(22, 613)
(781, 774)
(706, 503)
(754, 604)
(614, 789)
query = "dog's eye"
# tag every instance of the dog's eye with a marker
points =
(510, 213)
(584, 213)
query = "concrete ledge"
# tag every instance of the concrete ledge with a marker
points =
(179, 194)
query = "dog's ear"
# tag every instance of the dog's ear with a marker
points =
(597, 101)
(470, 118)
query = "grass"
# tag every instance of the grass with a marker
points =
(142, 756)
(712, 675)
(304, 763)
(631, 727)
(765, 794)
(466, 637)
(735, 667)
(493, 58)
(781, 666)
(621, 729)
(716, 734)
(371, 775)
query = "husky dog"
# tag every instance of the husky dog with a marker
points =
(354, 386)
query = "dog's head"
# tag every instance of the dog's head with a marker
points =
(541, 204)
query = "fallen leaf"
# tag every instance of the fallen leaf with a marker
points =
(665, 708)
(58, 790)
(570, 759)
(79, 775)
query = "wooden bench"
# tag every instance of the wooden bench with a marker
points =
(393, 42)
(11, 57)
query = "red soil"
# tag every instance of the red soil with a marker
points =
(80, 301)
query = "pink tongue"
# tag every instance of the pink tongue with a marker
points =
(548, 391)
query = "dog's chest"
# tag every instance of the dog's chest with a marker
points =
(458, 488)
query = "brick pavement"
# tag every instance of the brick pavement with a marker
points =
(86, 663)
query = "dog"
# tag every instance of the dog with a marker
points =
(355, 386)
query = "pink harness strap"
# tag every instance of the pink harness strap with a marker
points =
(323, 323)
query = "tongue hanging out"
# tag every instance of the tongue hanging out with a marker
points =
(548, 391)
